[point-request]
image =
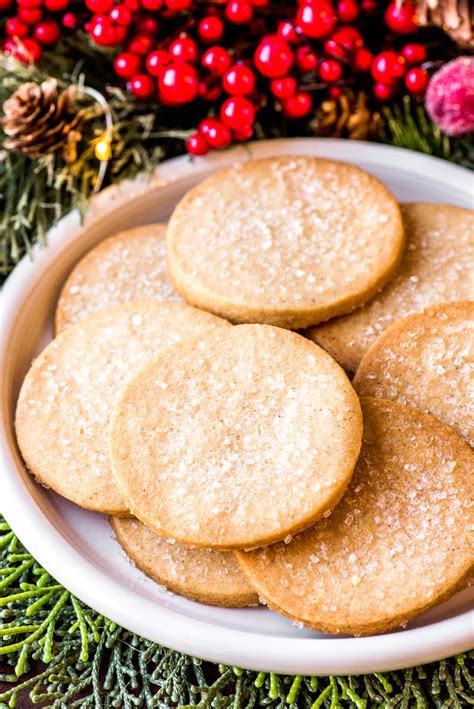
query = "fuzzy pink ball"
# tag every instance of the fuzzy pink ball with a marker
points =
(450, 97)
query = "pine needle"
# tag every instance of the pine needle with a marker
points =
(90, 662)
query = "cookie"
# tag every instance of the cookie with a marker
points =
(399, 542)
(426, 360)
(129, 266)
(63, 410)
(239, 440)
(203, 575)
(435, 269)
(289, 241)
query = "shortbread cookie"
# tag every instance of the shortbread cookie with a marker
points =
(426, 360)
(238, 440)
(204, 575)
(63, 411)
(436, 268)
(399, 542)
(289, 241)
(130, 266)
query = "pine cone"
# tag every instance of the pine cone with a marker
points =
(38, 121)
(456, 17)
(345, 117)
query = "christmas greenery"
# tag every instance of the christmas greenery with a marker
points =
(62, 654)
(35, 193)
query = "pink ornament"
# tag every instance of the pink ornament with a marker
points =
(450, 97)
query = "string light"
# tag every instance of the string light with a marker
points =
(102, 149)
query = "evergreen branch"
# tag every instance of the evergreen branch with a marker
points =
(76, 658)
(407, 125)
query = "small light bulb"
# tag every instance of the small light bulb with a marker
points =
(102, 150)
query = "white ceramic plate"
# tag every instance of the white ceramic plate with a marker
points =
(76, 546)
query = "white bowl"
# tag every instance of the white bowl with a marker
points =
(76, 546)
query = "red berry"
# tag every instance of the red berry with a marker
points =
(47, 32)
(370, 7)
(156, 61)
(330, 71)
(306, 59)
(335, 91)
(56, 5)
(243, 134)
(104, 32)
(14, 27)
(99, 6)
(142, 86)
(127, 64)
(29, 15)
(210, 29)
(384, 92)
(197, 145)
(70, 20)
(237, 112)
(147, 25)
(120, 34)
(287, 31)
(216, 59)
(239, 12)
(297, 106)
(334, 49)
(28, 51)
(316, 20)
(132, 5)
(178, 83)
(178, 5)
(284, 87)
(151, 5)
(184, 49)
(121, 15)
(273, 57)
(8, 46)
(348, 37)
(239, 80)
(260, 3)
(416, 81)
(4, 5)
(362, 60)
(141, 44)
(388, 67)
(27, 3)
(347, 10)
(414, 53)
(210, 91)
(401, 20)
(216, 133)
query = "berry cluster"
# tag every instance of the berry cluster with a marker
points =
(389, 68)
(234, 55)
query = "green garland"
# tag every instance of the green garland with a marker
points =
(62, 654)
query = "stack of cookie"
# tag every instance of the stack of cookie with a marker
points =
(237, 461)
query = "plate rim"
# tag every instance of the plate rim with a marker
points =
(168, 627)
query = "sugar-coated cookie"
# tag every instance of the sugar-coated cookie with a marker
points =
(203, 575)
(129, 266)
(436, 268)
(289, 241)
(63, 411)
(399, 542)
(238, 440)
(426, 360)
